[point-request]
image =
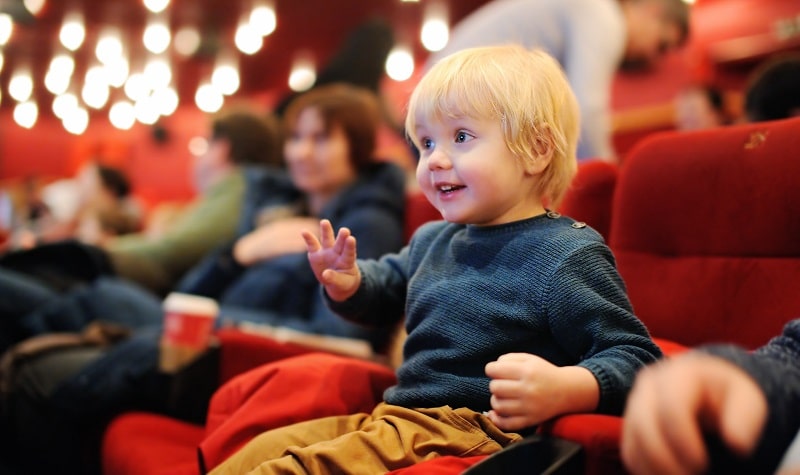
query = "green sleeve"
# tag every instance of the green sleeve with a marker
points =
(158, 264)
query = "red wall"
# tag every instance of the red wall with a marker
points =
(159, 170)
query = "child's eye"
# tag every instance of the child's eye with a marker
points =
(462, 136)
(426, 143)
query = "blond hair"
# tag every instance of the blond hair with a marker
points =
(526, 91)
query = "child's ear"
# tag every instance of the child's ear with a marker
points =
(543, 150)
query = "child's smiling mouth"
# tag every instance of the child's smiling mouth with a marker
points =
(448, 188)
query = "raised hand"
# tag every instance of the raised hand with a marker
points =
(333, 260)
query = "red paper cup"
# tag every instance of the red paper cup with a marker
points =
(188, 326)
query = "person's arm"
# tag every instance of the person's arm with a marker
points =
(719, 406)
(595, 43)
(673, 403)
(590, 319)
(207, 223)
(281, 237)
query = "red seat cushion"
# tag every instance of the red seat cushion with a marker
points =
(288, 391)
(139, 443)
(447, 465)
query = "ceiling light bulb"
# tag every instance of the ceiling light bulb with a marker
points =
(156, 6)
(63, 104)
(76, 121)
(121, 115)
(25, 114)
(20, 87)
(109, 48)
(6, 27)
(208, 98)
(33, 6)
(72, 32)
(156, 37)
(247, 39)
(302, 77)
(263, 19)
(435, 34)
(226, 79)
(400, 64)
(187, 41)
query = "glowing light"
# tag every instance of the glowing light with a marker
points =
(156, 37)
(157, 73)
(435, 34)
(72, 32)
(225, 78)
(187, 41)
(76, 121)
(21, 86)
(303, 75)
(63, 104)
(263, 19)
(156, 6)
(25, 114)
(166, 100)
(33, 6)
(6, 28)
(198, 146)
(136, 87)
(109, 47)
(208, 98)
(121, 115)
(400, 64)
(247, 39)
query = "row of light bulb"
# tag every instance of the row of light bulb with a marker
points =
(150, 94)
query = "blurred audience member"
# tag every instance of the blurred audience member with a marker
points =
(260, 279)
(701, 107)
(590, 38)
(92, 206)
(238, 139)
(773, 91)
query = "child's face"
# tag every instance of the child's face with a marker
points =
(468, 173)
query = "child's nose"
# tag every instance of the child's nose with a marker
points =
(438, 159)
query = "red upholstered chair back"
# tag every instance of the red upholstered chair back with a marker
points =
(590, 194)
(418, 212)
(706, 232)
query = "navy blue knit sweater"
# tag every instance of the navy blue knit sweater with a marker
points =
(471, 294)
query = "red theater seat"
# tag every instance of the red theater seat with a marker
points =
(590, 194)
(705, 229)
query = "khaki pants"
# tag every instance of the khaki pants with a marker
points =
(390, 438)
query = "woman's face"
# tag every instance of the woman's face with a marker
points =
(318, 160)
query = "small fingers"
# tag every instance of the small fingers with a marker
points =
(341, 240)
(312, 243)
(508, 423)
(326, 233)
(505, 388)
